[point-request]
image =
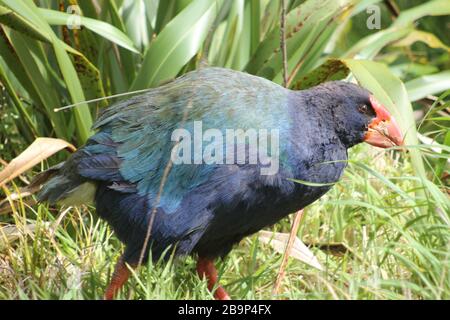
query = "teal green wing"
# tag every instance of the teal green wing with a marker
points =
(142, 127)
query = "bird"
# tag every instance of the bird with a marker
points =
(158, 170)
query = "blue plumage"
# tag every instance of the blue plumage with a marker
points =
(205, 209)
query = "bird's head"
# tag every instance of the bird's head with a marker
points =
(358, 116)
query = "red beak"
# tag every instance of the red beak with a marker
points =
(384, 131)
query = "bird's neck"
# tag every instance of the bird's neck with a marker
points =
(314, 139)
(317, 114)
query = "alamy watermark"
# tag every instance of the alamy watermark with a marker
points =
(233, 146)
(74, 21)
(374, 19)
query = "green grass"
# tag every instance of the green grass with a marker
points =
(398, 247)
(391, 222)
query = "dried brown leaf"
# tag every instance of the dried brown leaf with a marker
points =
(11, 233)
(299, 250)
(39, 150)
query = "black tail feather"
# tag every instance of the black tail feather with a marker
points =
(43, 177)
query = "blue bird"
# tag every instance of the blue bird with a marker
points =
(210, 158)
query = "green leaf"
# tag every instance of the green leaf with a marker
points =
(16, 22)
(101, 28)
(391, 92)
(8, 54)
(31, 25)
(312, 184)
(241, 36)
(122, 69)
(82, 113)
(411, 69)
(370, 46)
(415, 35)
(30, 11)
(382, 178)
(308, 27)
(166, 11)
(363, 4)
(29, 126)
(137, 17)
(33, 61)
(177, 43)
(442, 163)
(430, 8)
(332, 69)
(427, 85)
(255, 24)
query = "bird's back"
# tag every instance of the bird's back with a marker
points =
(201, 207)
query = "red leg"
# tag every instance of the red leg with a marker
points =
(119, 277)
(206, 268)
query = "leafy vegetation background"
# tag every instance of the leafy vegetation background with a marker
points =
(381, 233)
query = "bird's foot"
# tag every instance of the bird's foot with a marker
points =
(206, 269)
(119, 277)
(221, 294)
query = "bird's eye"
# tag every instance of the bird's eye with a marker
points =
(363, 108)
